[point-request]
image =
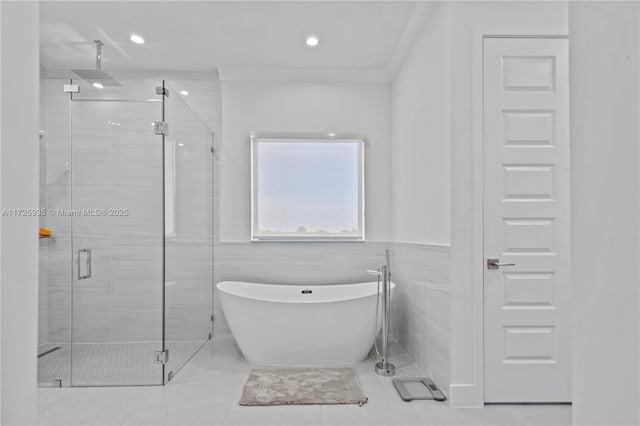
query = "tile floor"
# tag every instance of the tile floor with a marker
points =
(206, 392)
(96, 363)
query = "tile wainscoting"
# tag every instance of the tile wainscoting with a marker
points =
(421, 315)
(294, 263)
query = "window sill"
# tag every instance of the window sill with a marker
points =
(306, 240)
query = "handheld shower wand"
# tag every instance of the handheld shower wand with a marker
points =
(384, 367)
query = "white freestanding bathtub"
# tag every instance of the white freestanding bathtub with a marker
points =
(293, 325)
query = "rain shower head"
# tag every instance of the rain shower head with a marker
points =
(97, 75)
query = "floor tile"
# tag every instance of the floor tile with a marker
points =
(207, 390)
(280, 415)
(489, 415)
(95, 406)
(543, 415)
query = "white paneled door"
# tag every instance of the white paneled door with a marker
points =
(527, 338)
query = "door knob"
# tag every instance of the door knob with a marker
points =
(496, 264)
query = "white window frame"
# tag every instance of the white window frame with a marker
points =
(255, 138)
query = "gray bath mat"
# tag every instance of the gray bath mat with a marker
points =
(302, 386)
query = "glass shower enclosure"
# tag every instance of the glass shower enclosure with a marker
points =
(127, 272)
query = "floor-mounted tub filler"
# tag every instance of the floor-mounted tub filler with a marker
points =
(409, 388)
(296, 326)
(384, 367)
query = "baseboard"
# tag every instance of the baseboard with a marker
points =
(466, 395)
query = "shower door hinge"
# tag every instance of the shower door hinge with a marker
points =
(212, 318)
(71, 88)
(162, 357)
(162, 91)
(161, 128)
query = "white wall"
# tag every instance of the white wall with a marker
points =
(19, 69)
(302, 106)
(469, 20)
(420, 167)
(421, 195)
(605, 133)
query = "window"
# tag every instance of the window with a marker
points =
(307, 188)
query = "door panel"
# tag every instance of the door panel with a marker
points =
(526, 220)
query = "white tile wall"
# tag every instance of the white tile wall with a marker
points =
(299, 263)
(421, 306)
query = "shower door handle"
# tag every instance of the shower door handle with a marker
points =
(84, 256)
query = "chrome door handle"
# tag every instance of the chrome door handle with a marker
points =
(496, 264)
(372, 272)
(86, 253)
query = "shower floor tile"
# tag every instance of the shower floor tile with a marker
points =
(208, 388)
(111, 364)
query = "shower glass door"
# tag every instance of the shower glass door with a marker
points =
(117, 235)
(188, 231)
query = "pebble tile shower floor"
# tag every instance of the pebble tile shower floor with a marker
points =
(208, 388)
(111, 363)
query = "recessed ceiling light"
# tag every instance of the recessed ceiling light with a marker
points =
(98, 85)
(184, 93)
(137, 39)
(312, 40)
(180, 144)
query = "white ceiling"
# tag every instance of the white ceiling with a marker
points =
(205, 35)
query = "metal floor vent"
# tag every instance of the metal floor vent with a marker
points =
(411, 388)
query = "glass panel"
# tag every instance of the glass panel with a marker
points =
(55, 250)
(117, 240)
(188, 232)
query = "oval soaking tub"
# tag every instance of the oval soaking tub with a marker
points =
(293, 325)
